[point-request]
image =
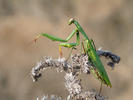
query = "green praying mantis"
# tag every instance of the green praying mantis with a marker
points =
(89, 48)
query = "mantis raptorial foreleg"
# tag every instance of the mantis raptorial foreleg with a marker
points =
(68, 45)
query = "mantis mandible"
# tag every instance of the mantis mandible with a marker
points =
(89, 48)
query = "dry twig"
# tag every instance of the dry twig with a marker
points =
(79, 63)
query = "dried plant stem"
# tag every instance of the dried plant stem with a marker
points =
(78, 64)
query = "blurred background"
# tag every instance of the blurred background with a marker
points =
(108, 22)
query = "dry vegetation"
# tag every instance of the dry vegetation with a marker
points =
(108, 22)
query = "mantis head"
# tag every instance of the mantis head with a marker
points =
(71, 21)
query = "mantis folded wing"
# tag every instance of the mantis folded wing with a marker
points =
(98, 69)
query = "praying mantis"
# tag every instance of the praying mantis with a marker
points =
(89, 48)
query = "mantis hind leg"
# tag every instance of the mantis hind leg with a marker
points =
(93, 43)
(83, 46)
(100, 90)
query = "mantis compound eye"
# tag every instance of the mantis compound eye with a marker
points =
(71, 21)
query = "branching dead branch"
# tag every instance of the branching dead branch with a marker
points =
(78, 64)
